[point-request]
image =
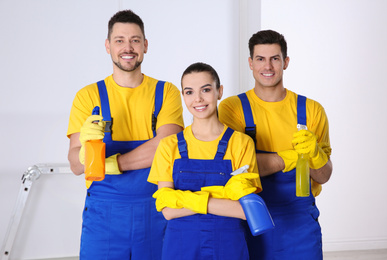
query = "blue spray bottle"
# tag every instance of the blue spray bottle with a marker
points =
(256, 212)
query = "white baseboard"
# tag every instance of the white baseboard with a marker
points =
(355, 244)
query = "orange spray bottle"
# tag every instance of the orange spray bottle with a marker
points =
(95, 157)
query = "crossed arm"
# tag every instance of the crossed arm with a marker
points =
(270, 163)
(139, 158)
(220, 207)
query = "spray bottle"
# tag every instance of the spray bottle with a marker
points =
(302, 171)
(256, 212)
(95, 157)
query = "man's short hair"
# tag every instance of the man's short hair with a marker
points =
(125, 16)
(268, 37)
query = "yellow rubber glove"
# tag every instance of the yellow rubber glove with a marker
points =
(290, 158)
(91, 130)
(241, 185)
(88, 184)
(111, 168)
(177, 199)
(111, 165)
(305, 142)
(237, 186)
(82, 155)
(217, 192)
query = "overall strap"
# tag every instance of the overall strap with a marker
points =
(159, 94)
(250, 128)
(105, 110)
(106, 107)
(182, 145)
(301, 110)
(222, 146)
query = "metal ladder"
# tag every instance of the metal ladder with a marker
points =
(29, 177)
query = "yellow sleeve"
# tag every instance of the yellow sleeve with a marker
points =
(84, 102)
(319, 126)
(162, 165)
(244, 154)
(171, 111)
(231, 113)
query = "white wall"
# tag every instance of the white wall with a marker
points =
(51, 49)
(337, 56)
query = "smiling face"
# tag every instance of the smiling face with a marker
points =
(126, 46)
(200, 94)
(268, 65)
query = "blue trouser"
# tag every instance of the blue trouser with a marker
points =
(114, 229)
(120, 220)
(204, 236)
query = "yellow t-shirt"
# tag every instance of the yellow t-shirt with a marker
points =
(130, 108)
(240, 151)
(276, 122)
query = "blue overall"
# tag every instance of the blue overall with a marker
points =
(201, 236)
(297, 233)
(120, 220)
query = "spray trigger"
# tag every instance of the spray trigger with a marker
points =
(95, 110)
(301, 127)
(243, 169)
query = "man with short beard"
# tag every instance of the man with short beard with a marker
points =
(120, 220)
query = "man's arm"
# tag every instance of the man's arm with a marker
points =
(139, 158)
(323, 174)
(73, 156)
(142, 156)
(269, 163)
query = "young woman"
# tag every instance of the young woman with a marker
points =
(192, 170)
